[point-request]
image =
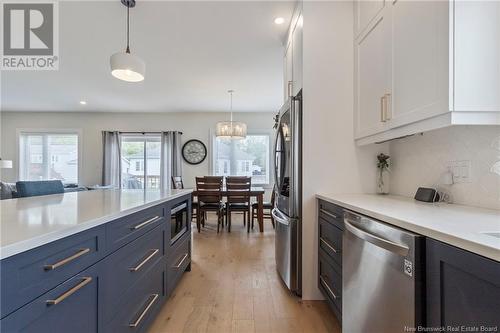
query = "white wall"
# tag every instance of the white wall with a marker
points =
(193, 125)
(422, 159)
(332, 163)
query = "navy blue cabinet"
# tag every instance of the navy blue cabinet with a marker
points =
(178, 261)
(70, 307)
(122, 269)
(112, 278)
(463, 288)
(32, 273)
(330, 229)
(128, 228)
(141, 303)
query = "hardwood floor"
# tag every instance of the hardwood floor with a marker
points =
(233, 287)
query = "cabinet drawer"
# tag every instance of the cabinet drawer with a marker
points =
(140, 304)
(178, 260)
(330, 283)
(125, 267)
(330, 240)
(128, 228)
(332, 213)
(30, 274)
(70, 307)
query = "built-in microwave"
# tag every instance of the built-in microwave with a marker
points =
(178, 221)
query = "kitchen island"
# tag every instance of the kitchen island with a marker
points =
(95, 261)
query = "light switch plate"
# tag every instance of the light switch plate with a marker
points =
(461, 171)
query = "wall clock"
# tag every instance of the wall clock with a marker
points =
(194, 152)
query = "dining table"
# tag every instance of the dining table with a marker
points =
(258, 193)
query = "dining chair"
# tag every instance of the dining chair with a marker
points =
(209, 191)
(178, 184)
(266, 206)
(238, 199)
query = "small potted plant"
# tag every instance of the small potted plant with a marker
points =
(383, 168)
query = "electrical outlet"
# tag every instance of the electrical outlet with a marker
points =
(461, 171)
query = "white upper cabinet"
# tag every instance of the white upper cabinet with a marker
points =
(297, 56)
(419, 60)
(444, 67)
(292, 71)
(477, 54)
(373, 76)
(288, 71)
(365, 12)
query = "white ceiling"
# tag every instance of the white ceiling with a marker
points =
(194, 53)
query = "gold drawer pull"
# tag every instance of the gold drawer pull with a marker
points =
(80, 253)
(136, 323)
(328, 244)
(328, 287)
(328, 213)
(145, 223)
(182, 260)
(85, 281)
(151, 255)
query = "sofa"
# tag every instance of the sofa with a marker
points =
(35, 188)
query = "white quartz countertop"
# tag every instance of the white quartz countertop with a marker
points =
(27, 223)
(457, 225)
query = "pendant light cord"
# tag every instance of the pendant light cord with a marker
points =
(128, 29)
(231, 104)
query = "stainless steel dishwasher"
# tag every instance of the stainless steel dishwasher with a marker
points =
(382, 277)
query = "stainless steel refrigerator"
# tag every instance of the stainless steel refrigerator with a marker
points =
(288, 193)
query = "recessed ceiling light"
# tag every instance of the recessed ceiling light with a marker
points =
(83, 103)
(279, 20)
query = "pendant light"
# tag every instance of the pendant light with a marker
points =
(124, 65)
(231, 129)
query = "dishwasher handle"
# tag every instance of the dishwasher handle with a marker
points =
(391, 246)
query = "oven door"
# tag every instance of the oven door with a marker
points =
(178, 221)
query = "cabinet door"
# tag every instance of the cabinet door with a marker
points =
(70, 307)
(288, 81)
(297, 56)
(373, 72)
(477, 56)
(462, 288)
(365, 11)
(420, 32)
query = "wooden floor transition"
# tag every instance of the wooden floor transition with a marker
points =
(233, 287)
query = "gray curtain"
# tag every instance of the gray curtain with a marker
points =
(111, 166)
(171, 158)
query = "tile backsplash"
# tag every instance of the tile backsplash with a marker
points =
(421, 160)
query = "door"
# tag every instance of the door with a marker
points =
(283, 154)
(286, 249)
(373, 77)
(420, 32)
(365, 11)
(463, 288)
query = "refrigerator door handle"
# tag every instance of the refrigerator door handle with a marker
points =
(279, 218)
(400, 249)
(276, 180)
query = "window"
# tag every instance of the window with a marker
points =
(45, 156)
(140, 161)
(247, 157)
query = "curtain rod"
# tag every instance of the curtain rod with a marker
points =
(145, 132)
